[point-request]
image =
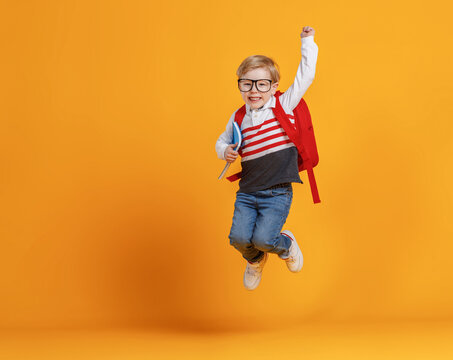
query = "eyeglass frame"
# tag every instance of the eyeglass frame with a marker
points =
(254, 83)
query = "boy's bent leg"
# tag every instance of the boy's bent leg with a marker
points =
(273, 210)
(244, 218)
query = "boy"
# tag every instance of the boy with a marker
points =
(269, 162)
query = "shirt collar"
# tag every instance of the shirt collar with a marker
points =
(270, 104)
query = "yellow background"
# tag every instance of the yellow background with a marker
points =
(111, 214)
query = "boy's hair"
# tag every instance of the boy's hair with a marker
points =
(259, 61)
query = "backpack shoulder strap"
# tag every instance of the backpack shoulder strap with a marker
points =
(282, 118)
(239, 116)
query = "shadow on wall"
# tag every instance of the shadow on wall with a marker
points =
(153, 271)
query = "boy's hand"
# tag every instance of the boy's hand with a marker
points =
(307, 31)
(230, 154)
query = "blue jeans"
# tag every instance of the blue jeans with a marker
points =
(258, 220)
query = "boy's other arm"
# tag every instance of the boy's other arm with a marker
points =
(305, 72)
(225, 139)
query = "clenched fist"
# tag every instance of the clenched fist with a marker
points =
(307, 31)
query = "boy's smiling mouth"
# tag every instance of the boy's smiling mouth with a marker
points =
(254, 98)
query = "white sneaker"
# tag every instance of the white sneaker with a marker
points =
(295, 260)
(252, 274)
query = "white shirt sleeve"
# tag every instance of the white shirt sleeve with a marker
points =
(225, 139)
(305, 74)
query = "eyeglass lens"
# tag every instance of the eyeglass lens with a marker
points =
(262, 85)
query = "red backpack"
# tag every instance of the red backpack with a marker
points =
(301, 135)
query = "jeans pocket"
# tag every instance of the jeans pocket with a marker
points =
(287, 190)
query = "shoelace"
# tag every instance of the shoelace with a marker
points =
(252, 269)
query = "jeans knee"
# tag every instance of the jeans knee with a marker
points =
(239, 241)
(263, 242)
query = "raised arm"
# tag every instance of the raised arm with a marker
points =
(305, 72)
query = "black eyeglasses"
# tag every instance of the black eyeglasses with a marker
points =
(262, 85)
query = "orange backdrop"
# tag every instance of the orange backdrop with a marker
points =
(111, 213)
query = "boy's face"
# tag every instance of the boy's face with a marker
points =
(253, 97)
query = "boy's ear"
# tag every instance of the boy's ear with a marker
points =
(274, 88)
